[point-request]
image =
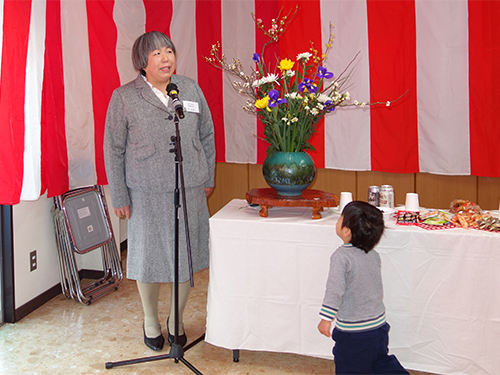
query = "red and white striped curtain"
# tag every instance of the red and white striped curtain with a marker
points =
(61, 60)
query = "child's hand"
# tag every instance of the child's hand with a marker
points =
(324, 327)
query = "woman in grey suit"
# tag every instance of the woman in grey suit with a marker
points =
(141, 175)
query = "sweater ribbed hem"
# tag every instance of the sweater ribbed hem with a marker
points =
(359, 326)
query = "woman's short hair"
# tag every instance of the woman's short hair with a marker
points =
(147, 43)
(366, 223)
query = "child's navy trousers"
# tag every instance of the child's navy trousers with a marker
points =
(364, 352)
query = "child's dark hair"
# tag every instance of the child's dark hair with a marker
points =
(366, 223)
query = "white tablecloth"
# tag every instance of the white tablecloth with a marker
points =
(267, 279)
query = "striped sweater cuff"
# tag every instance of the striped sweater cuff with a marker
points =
(328, 313)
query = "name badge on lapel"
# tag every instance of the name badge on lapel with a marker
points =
(191, 106)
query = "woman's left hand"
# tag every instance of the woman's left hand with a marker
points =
(208, 191)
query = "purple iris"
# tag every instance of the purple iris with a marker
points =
(308, 85)
(274, 99)
(256, 58)
(328, 104)
(323, 73)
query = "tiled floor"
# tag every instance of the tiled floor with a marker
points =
(64, 337)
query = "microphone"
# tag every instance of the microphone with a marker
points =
(173, 93)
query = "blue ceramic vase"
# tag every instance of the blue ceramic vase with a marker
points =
(289, 173)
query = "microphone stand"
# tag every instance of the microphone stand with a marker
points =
(176, 350)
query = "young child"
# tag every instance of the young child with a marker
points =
(354, 295)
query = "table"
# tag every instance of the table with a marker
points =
(316, 199)
(267, 279)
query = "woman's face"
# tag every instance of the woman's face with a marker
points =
(161, 66)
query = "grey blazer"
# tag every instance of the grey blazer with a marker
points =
(137, 140)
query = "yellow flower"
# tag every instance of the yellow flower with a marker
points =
(262, 103)
(286, 64)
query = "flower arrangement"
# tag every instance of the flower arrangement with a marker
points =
(293, 97)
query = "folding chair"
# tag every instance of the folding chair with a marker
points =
(81, 224)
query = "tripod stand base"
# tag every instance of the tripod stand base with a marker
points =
(176, 353)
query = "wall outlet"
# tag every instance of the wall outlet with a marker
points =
(33, 261)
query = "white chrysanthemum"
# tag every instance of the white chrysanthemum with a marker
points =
(293, 95)
(257, 83)
(271, 77)
(284, 119)
(304, 55)
(322, 98)
(295, 119)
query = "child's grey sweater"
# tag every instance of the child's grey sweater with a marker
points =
(354, 292)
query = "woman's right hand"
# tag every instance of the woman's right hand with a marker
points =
(122, 212)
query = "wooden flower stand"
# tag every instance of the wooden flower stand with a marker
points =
(316, 199)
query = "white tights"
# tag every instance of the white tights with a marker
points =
(149, 297)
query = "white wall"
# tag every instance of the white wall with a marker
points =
(34, 230)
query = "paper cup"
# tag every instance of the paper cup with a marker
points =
(345, 197)
(411, 203)
(387, 212)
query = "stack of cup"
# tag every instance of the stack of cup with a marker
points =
(345, 197)
(412, 203)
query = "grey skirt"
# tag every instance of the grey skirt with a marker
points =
(151, 240)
